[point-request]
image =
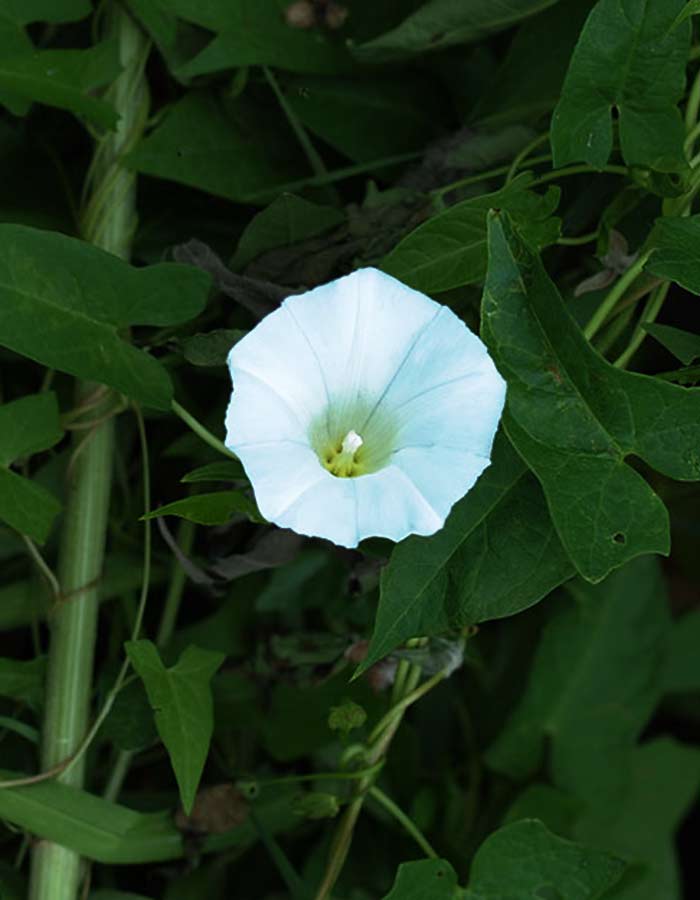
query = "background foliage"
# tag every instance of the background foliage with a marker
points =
(534, 165)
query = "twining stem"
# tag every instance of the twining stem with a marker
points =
(317, 165)
(692, 107)
(178, 579)
(578, 241)
(335, 175)
(109, 222)
(201, 431)
(672, 206)
(484, 176)
(377, 747)
(42, 566)
(406, 823)
(524, 153)
(649, 314)
(601, 315)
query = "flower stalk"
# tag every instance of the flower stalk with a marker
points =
(109, 222)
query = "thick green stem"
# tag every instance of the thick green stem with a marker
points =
(56, 870)
(109, 223)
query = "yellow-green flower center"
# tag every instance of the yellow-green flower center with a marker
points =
(353, 439)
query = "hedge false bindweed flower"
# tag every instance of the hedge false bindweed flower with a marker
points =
(362, 408)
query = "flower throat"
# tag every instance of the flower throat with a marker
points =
(341, 460)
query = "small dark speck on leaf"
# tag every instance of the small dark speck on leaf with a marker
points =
(619, 538)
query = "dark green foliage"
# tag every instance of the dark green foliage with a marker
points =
(542, 646)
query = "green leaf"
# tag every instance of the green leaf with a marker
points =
(528, 82)
(26, 506)
(450, 249)
(24, 12)
(14, 39)
(65, 79)
(23, 680)
(675, 258)
(210, 509)
(250, 33)
(691, 8)
(662, 784)
(130, 725)
(227, 470)
(230, 152)
(442, 23)
(684, 345)
(211, 348)
(182, 702)
(575, 419)
(27, 426)
(595, 681)
(109, 833)
(286, 221)
(555, 808)
(523, 861)
(370, 117)
(629, 59)
(497, 554)
(82, 296)
(176, 40)
(682, 672)
(429, 879)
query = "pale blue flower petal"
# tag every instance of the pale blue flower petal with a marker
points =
(327, 508)
(279, 355)
(361, 327)
(462, 414)
(258, 413)
(448, 392)
(281, 471)
(390, 505)
(441, 477)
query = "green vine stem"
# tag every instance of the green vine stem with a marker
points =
(605, 309)
(378, 745)
(109, 222)
(406, 823)
(201, 431)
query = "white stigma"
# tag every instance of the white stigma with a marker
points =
(352, 443)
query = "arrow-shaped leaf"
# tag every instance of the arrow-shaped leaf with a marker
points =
(575, 418)
(182, 702)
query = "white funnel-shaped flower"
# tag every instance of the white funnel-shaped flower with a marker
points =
(362, 408)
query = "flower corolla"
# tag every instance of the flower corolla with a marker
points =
(362, 408)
